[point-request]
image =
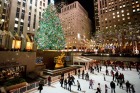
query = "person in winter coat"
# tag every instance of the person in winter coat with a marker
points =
(91, 84)
(69, 83)
(113, 86)
(106, 88)
(78, 84)
(65, 83)
(49, 81)
(41, 84)
(61, 81)
(132, 88)
(128, 87)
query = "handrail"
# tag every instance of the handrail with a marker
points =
(34, 85)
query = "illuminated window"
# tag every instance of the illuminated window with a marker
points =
(138, 9)
(120, 6)
(16, 19)
(134, 10)
(128, 17)
(138, 5)
(113, 16)
(21, 20)
(123, 5)
(28, 28)
(123, 18)
(117, 12)
(105, 18)
(118, 15)
(113, 13)
(128, 13)
(16, 25)
(122, 11)
(136, 1)
(122, 14)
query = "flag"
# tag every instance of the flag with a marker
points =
(27, 37)
(17, 35)
(22, 36)
(11, 35)
(32, 38)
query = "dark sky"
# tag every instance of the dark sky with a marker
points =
(88, 5)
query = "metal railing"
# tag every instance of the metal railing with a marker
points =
(32, 86)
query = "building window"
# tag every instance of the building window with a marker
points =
(30, 1)
(123, 18)
(16, 25)
(36, 2)
(128, 13)
(122, 11)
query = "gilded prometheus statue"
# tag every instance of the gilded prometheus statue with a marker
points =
(59, 60)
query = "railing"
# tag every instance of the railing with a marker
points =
(34, 85)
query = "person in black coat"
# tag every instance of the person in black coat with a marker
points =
(128, 87)
(65, 83)
(61, 81)
(69, 83)
(41, 84)
(112, 85)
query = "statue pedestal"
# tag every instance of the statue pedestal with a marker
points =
(59, 65)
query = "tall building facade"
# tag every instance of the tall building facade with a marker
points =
(76, 25)
(96, 15)
(24, 18)
(4, 20)
(118, 12)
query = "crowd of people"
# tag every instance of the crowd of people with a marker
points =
(118, 79)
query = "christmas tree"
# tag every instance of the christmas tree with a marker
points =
(50, 34)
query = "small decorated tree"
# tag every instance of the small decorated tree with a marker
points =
(50, 34)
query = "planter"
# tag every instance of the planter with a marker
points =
(16, 86)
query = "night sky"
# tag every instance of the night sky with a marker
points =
(88, 5)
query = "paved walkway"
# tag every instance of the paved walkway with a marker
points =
(132, 76)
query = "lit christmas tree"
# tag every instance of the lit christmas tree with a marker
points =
(50, 34)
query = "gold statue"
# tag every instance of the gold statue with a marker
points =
(59, 60)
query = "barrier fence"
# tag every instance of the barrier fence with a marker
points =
(35, 85)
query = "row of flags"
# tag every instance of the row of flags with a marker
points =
(16, 35)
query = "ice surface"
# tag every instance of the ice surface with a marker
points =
(132, 76)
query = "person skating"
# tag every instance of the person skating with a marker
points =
(65, 83)
(98, 88)
(69, 83)
(61, 81)
(106, 88)
(49, 81)
(79, 73)
(91, 84)
(72, 78)
(107, 72)
(128, 87)
(139, 74)
(132, 88)
(41, 84)
(104, 77)
(78, 85)
(113, 86)
(83, 73)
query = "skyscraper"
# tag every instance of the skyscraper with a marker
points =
(76, 25)
(118, 12)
